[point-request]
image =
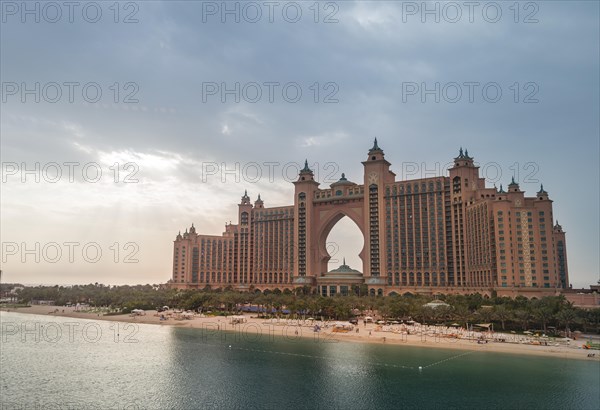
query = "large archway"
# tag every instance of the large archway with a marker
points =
(345, 242)
(353, 223)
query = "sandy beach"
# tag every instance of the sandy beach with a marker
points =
(419, 336)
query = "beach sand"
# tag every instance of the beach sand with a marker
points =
(366, 334)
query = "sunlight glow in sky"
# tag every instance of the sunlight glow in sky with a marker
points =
(163, 148)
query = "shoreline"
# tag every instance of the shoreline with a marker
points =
(371, 333)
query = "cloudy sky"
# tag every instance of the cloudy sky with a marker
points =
(122, 125)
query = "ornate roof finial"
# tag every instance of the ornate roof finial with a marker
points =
(466, 153)
(512, 182)
(259, 197)
(501, 190)
(245, 198)
(344, 263)
(375, 146)
(460, 153)
(541, 191)
(306, 168)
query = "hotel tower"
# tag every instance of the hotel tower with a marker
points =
(446, 234)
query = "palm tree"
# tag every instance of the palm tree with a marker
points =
(425, 313)
(523, 316)
(502, 314)
(383, 308)
(566, 317)
(314, 305)
(462, 314)
(484, 314)
(543, 314)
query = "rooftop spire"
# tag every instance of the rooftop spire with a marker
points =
(541, 191)
(375, 146)
(306, 168)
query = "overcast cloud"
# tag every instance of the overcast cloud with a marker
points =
(364, 62)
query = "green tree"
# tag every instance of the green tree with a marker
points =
(502, 314)
(565, 317)
(543, 314)
(462, 314)
(523, 316)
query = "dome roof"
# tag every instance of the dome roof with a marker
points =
(342, 181)
(344, 269)
(343, 272)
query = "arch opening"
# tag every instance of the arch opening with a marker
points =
(344, 241)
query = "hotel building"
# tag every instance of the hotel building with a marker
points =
(446, 234)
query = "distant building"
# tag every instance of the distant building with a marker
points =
(343, 280)
(445, 234)
(584, 298)
(434, 304)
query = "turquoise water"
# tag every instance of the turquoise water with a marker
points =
(65, 363)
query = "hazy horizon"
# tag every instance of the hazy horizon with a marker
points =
(116, 134)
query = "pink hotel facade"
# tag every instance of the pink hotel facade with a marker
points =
(447, 234)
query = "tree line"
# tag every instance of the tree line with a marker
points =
(548, 314)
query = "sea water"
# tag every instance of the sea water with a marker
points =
(65, 363)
